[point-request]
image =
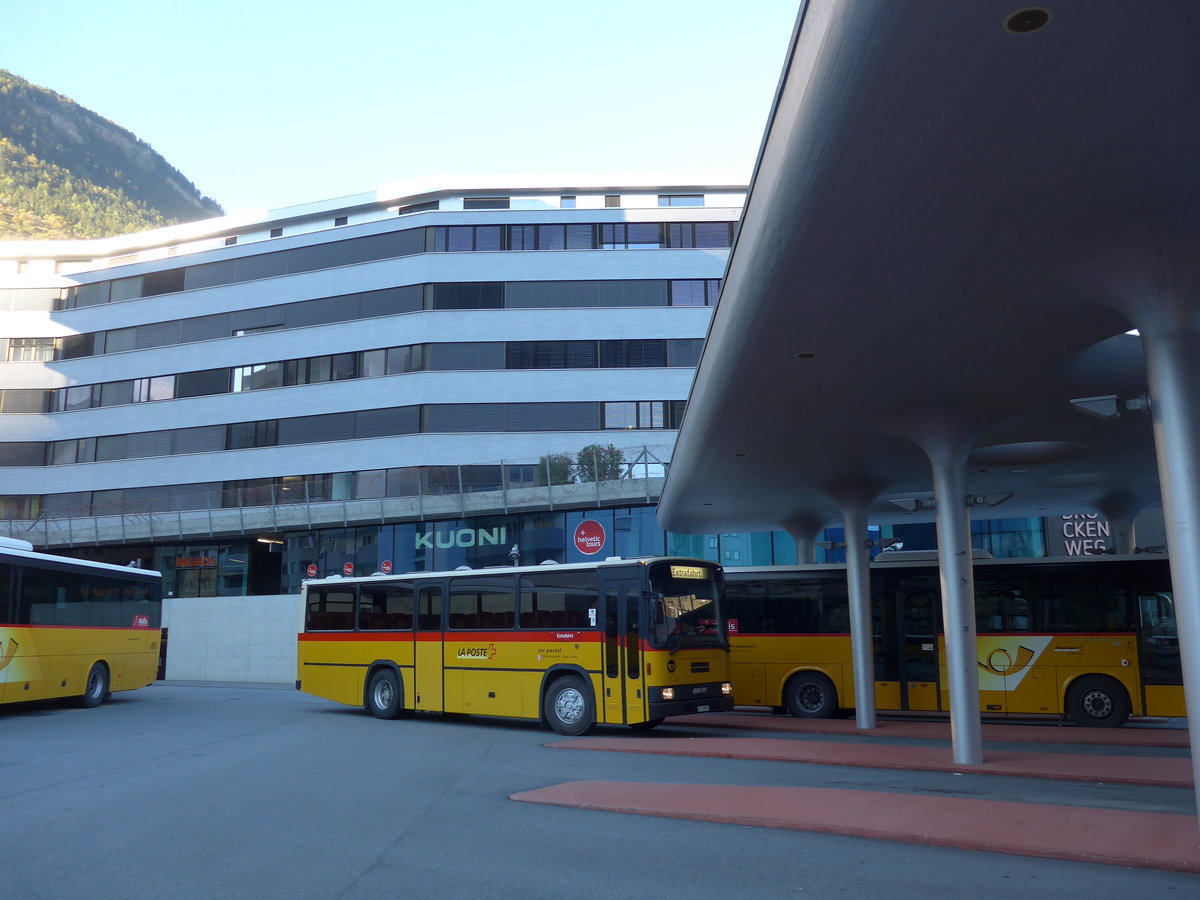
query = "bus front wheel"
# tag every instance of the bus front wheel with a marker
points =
(810, 695)
(1098, 702)
(568, 706)
(95, 689)
(383, 695)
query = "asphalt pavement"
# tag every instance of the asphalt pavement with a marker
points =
(225, 790)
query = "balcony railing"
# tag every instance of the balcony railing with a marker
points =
(598, 477)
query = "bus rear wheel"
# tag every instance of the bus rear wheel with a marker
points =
(810, 695)
(95, 689)
(568, 706)
(1098, 701)
(383, 695)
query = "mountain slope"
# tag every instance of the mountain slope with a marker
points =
(66, 172)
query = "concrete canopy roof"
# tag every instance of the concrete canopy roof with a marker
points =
(950, 229)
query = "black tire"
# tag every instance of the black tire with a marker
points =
(1097, 701)
(648, 725)
(95, 689)
(810, 695)
(568, 706)
(383, 695)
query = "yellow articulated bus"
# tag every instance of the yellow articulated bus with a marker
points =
(1092, 638)
(70, 628)
(624, 641)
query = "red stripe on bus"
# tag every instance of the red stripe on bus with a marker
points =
(565, 637)
(83, 627)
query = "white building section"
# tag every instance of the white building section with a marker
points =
(237, 376)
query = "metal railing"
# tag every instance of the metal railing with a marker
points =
(594, 477)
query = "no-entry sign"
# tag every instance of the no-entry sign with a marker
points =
(312, 570)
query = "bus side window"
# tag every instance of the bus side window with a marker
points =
(330, 609)
(987, 616)
(559, 600)
(429, 609)
(6, 577)
(1158, 615)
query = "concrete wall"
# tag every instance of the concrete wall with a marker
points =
(250, 639)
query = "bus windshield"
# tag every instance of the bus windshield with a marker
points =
(685, 609)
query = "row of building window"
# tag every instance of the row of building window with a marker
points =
(371, 484)
(367, 305)
(395, 244)
(448, 418)
(566, 201)
(440, 357)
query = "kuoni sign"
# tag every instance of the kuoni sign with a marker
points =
(589, 537)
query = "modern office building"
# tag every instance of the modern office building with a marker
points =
(397, 380)
(416, 378)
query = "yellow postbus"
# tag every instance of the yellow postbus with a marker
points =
(70, 628)
(1092, 638)
(624, 641)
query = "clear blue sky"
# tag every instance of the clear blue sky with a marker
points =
(262, 103)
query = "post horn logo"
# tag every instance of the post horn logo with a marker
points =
(7, 657)
(999, 662)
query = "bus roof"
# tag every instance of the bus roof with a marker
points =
(929, 560)
(20, 553)
(548, 565)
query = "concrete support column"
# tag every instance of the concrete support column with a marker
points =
(806, 548)
(958, 602)
(858, 581)
(1173, 368)
(1122, 534)
(1120, 509)
(804, 531)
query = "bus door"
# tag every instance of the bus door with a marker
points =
(917, 605)
(623, 681)
(427, 670)
(887, 665)
(1158, 649)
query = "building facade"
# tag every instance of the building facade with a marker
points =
(412, 379)
(415, 378)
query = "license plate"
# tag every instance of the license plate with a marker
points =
(704, 707)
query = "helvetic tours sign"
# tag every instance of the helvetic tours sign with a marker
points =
(1085, 534)
(463, 537)
(589, 537)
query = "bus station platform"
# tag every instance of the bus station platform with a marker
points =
(1085, 832)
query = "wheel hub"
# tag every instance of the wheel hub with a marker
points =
(811, 697)
(383, 694)
(568, 706)
(1097, 704)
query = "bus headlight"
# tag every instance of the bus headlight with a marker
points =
(726, 688)
(668, 693)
